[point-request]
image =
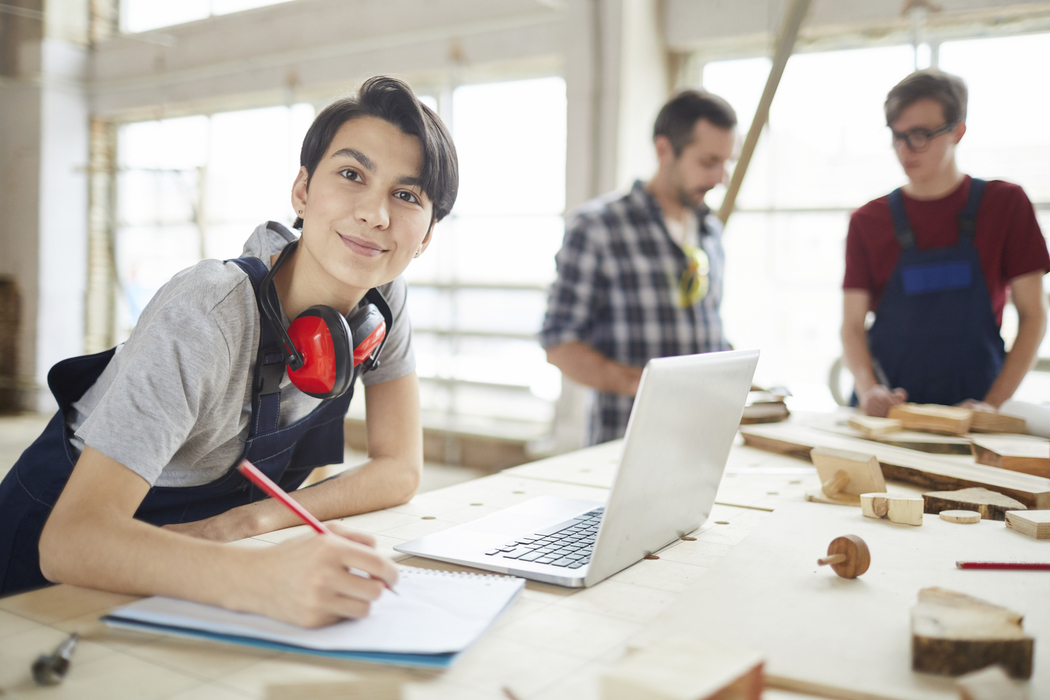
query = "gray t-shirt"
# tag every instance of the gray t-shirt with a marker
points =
(174, 403)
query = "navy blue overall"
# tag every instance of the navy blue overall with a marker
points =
(285, 454)
(935, 333)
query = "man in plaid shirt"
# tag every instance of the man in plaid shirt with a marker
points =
(640, 274)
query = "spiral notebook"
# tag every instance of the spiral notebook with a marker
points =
(433, 616)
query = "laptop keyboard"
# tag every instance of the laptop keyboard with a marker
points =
(568, 544)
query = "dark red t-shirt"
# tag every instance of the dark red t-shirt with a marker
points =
(1008, 238)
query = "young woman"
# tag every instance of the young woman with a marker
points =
(133, 485)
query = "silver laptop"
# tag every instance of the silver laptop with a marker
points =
(678, 438)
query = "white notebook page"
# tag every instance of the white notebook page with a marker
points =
(433, 612)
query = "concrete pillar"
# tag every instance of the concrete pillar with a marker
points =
(44, 146)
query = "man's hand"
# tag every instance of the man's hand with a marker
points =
(978, 406)
(307, 580)
(877, 400)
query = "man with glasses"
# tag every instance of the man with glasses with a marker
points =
(933, 261)
(640, 274)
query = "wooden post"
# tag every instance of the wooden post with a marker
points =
(782, 52)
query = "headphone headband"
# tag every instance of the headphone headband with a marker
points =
(271, 305)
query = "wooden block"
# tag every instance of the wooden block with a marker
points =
(846, 472)
(686, 668)
(1027, 454)
(873, 426)
(1034, 523)
(932, 472)
(906, 510)
(965, 517)
(848, 556)
(988, 422)
(953, 634)
(990, 504)
(990, 683)
(950, 420)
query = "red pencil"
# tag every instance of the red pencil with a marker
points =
(1019, 565)
(266, 484)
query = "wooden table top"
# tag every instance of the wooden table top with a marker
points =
(552, 643)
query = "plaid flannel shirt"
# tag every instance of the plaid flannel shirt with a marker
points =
(617, 291)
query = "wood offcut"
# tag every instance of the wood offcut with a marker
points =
(686, 668)
(953, 634)
(950, 420)
(905, 510)
(844, 475)
(1017, 453)
(1033, 523)
(990, 504)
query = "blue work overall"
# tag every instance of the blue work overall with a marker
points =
(935, 333)
(286, 454)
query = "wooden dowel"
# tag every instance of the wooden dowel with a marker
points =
(833, 559)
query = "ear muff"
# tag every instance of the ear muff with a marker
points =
(368, 330)
(321, 348)
(322, 338)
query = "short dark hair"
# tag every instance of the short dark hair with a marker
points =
(677, 117)
(391, 100)
(948, 90)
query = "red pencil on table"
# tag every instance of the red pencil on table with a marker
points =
(1015, 565)
(266, 484)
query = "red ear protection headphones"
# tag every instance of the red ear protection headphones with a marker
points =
(322, 349)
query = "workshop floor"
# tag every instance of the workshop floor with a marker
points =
(18, 432)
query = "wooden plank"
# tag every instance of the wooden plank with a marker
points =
(929, 471)
(953, 634)
(1019, 453)
(950, 420)
(910, 439)
(990, 504)
(852, 637)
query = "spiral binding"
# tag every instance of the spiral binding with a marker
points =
(419, 570)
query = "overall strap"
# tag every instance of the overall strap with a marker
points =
(269, 363)
(968, 216)
(902, 230)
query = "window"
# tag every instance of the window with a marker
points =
(194, 188)
(477, 296)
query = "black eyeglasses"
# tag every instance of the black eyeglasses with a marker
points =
(918, 140)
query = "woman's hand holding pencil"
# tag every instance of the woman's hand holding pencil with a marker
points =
(307, 580)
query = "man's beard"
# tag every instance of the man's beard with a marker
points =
(688, 201)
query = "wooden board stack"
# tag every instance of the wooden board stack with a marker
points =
(990, 504)
(950, 420)
(953, 634)
(1034, 523)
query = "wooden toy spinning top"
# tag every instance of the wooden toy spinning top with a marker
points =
(848, 555)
